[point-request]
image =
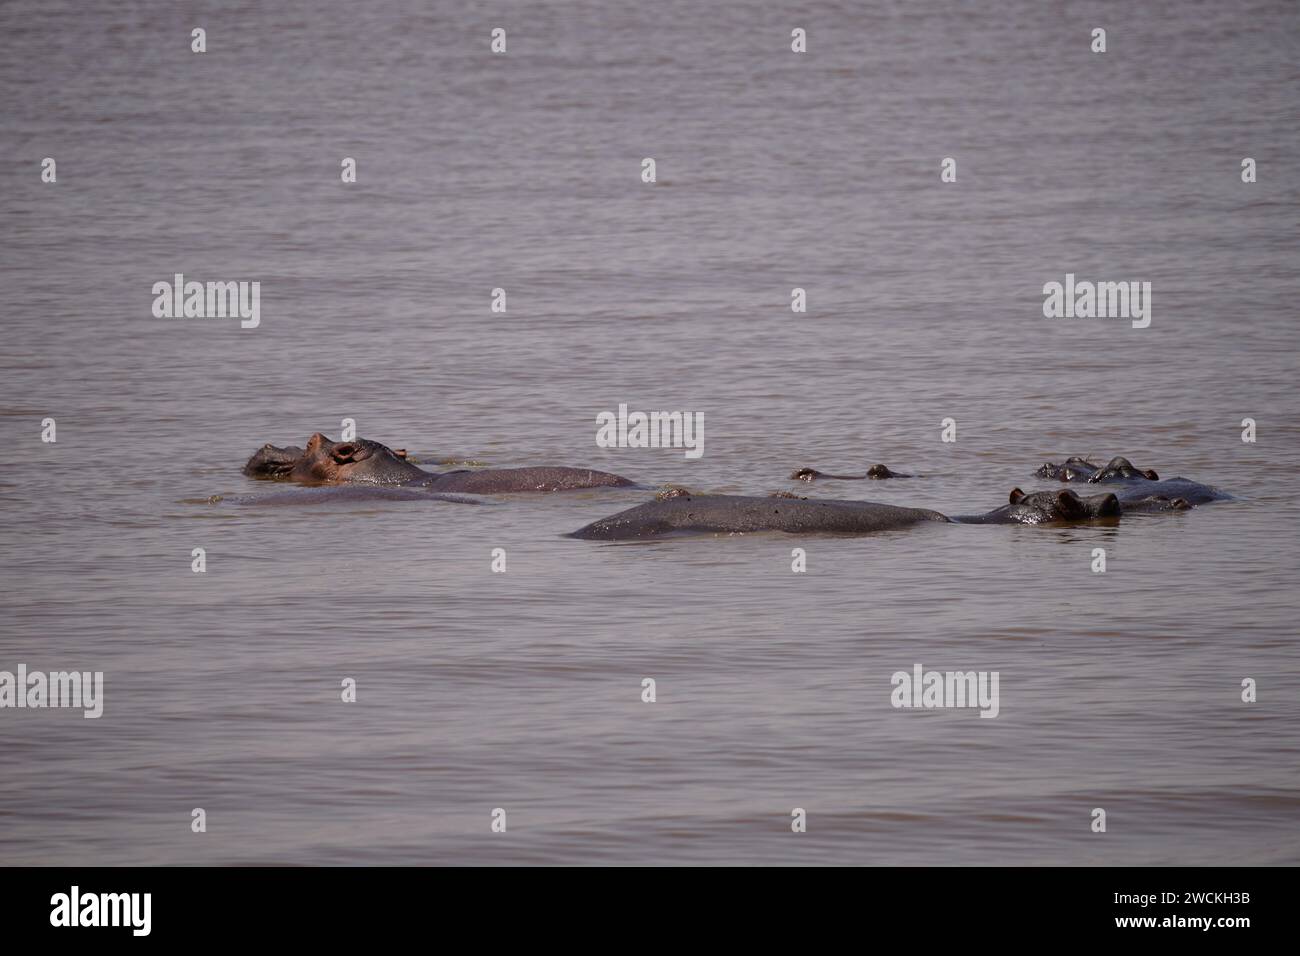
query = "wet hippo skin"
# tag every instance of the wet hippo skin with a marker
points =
(680, 512)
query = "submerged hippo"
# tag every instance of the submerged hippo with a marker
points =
(686, 513)
(1138, 489)
(275, 461)
(1044, 507)
(875, 473)
(680, 512)
(272, 461)
(325, 462)
(1137, 503)
(1075, 468)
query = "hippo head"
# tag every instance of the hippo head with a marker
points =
(880, 472)
(272, 462)
(672, 493)
(1072, 469)
(1120, 469)
(326, 462)
(1152, 503)
(1040, 507)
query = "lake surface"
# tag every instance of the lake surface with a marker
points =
(522, 691)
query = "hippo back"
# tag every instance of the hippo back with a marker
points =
(686, 513)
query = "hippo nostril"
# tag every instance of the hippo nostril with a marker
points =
(343, 451)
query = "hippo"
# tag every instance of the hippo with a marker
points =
(326, 462)
(686, 513)
(275, 461)
(1121, 469)
(1075, 468)
(1138, 489)
(1150, 504)
(272, 461)
(681, 512)
(1046, 507)
(875, 473)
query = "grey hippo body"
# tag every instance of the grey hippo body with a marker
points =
(684, 513)
(326, 462)
(689, 513)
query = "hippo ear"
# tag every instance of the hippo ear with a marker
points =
(1016, 495)
(1151, 474)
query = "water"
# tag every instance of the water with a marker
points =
(522, 690)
